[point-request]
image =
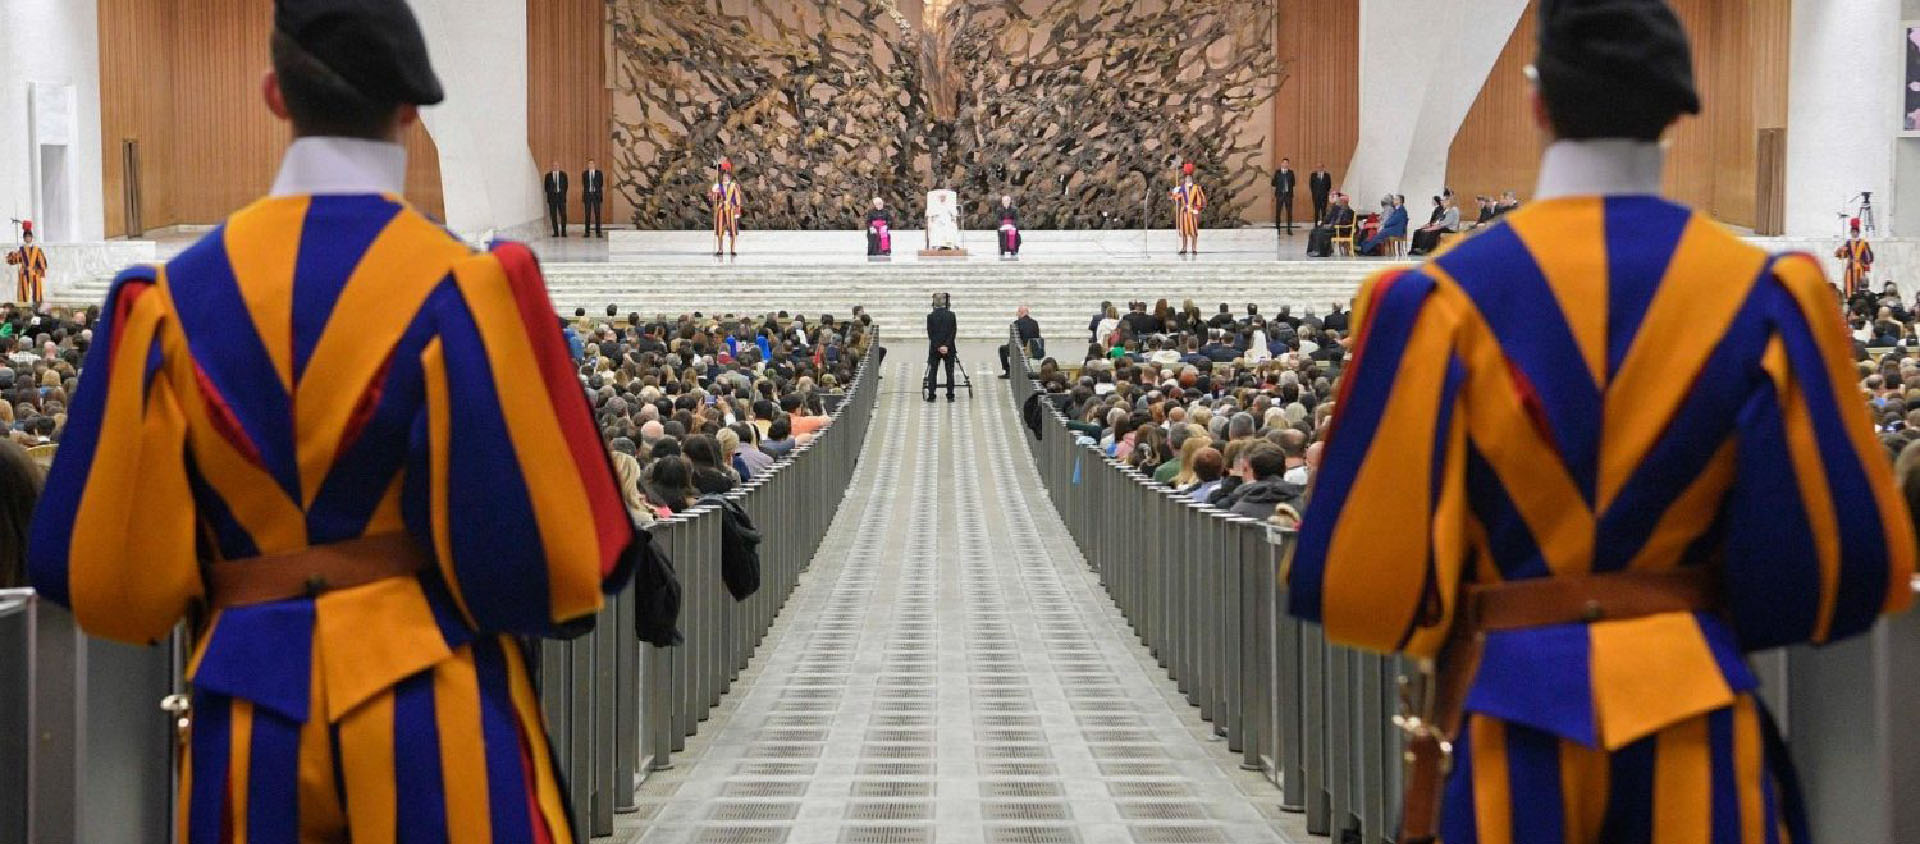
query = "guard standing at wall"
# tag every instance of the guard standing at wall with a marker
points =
(1856, 256)
(1284, 181)
(351, 451)
(32, 261)
(1189, 199)
(593, 187)
(727, 206)
(1639, 455)
(555, 186)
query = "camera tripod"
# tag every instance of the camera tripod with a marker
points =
(927, 385)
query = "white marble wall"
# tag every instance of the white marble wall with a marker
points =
(1843, 109)
(53, 42)
(1422, 64)
(487, 174)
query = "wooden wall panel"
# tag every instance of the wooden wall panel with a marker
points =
(226, 144)
(1316, 113)
(136, 98)
(1498, 146)
(569, 107)
(1740, 67)
(209, 146)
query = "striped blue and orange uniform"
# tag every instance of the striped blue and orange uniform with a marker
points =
(1593, 385)
(318, 369)
(32, 285)
(1189, 200)
(727, 205)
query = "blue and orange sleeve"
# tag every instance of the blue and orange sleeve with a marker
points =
(1381, 548)
(114, 535)
(523, 510)
(1818, 540)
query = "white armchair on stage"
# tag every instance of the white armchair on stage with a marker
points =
(943, 226)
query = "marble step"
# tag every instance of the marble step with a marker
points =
(1062, 296)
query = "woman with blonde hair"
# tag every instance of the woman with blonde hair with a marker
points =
(1186, 477)
(729, 442)
(626, 470)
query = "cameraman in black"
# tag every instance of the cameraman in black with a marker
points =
(942, 331)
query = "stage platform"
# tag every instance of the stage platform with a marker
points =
(1038, 246)
(1062, 276)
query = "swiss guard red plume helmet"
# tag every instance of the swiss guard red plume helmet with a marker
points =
(1187, 168)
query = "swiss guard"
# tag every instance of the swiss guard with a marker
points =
(31, 287)
(351, 452)
(1856, 257)
(727, 204)
(1638, 455)
(1189, 199)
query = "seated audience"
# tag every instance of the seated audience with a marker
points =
(20, 480)
(1393, 223)
(1339, 223)
(1208, 468)
(711, 476)
(670, 483)
(1427, 238)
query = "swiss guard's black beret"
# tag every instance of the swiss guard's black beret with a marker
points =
(375, 45)
(1626, 52)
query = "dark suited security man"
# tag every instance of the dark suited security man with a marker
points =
(1029, 334)
(1320, 185)
(1284, 180)
(556, 186)
(593, 185)
(942, 333)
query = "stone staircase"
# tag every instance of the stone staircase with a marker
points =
(1063, 295)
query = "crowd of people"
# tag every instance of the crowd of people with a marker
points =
(698, 404)
(1232, 406)
(1227, 407)
(688, 405)
(1369, 234)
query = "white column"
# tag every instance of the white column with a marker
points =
(487, 174)
(1843, 110)
(52, 46)
(1422, 64)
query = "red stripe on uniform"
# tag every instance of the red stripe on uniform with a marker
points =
(611, 523)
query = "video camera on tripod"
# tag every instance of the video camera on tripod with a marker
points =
(1858, 208)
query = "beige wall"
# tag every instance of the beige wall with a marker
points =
(1740, 67)
(183, 78)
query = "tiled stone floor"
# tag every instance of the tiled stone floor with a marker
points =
(949, 671)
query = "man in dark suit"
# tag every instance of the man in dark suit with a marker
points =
(1028, 330)
(1320, 184)
(592, 192)
(942, 344)
(1283, 184)
(556, 186)
(1320, 240)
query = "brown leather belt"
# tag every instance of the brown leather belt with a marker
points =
(1432, 725)
(314, 571)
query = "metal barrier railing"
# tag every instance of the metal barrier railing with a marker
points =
(99, 754)
(616, 708)
(1202, 589)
